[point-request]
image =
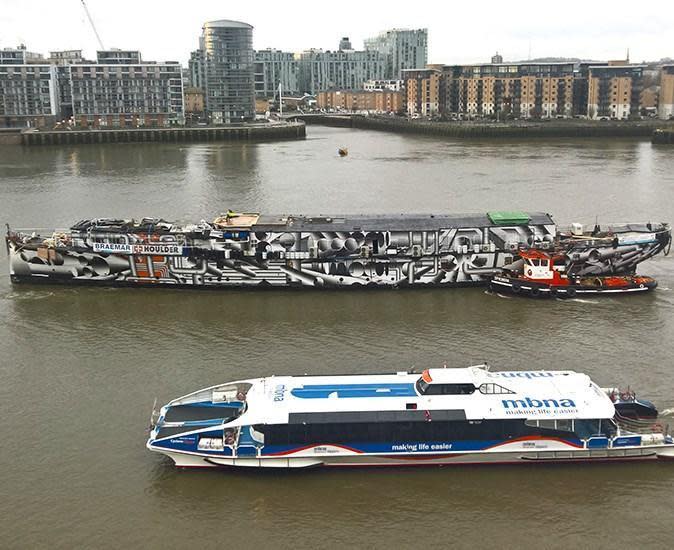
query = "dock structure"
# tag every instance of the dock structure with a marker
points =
(520, 129)
(248, 132)
(663, 136)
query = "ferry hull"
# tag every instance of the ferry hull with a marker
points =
(624, 454)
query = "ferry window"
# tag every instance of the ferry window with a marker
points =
(587, 428)
(491, 389)
(608, 427)
(546, 424)
(458, 389)
(449, 389)
(422, 386)
(565, 425)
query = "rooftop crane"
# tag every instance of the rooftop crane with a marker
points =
(86, 10)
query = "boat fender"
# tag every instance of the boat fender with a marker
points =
(641, 285)
(570, 292)
(516, 288)
(529, 272)
(535, 292)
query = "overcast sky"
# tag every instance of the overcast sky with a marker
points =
(459, 32)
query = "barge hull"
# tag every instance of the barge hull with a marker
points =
(255, 251)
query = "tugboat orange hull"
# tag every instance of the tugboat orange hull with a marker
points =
(596, 286)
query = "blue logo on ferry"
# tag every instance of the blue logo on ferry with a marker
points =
(529, 403)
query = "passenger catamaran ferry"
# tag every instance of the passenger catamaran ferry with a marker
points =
(440, 417)
(256, 251)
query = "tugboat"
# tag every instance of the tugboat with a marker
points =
(545, 275)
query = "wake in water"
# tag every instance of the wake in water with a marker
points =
(29, 295)
(667, 412)
(490, 293)
(578, 300)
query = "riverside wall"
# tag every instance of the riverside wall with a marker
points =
(10, 136)
(518, 129)
(513, 129)
(663, 136)
(248, 132)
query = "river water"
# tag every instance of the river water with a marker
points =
(80, 367)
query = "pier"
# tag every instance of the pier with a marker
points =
(247, 132)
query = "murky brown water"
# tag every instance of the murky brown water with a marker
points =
(79, 368)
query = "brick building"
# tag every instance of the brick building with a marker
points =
(666, 97)
(378, 101)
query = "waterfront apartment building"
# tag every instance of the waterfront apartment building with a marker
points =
(402, 48)
(62, 58)
(394, 85)
(344, 69)
(228, 71)
(129, 94)
(28, 94)
(116, 56)
(614, 91)
(196, 68)
(315, 70)
(274, 67)
(521, 90)
(125, 92)
(19, 56)
(666, 97)
(424, 91)
(375, 101)
(526, 90)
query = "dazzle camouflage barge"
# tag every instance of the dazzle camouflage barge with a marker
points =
(254, 250)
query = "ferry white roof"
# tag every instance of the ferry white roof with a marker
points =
(498, 395)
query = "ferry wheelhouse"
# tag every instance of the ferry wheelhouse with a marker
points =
(440, 417)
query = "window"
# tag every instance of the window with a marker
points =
(493, 389)
(560, 425)
(425, 388)
(393, 432)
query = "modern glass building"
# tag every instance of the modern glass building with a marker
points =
(405, 49)
(228, 71)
